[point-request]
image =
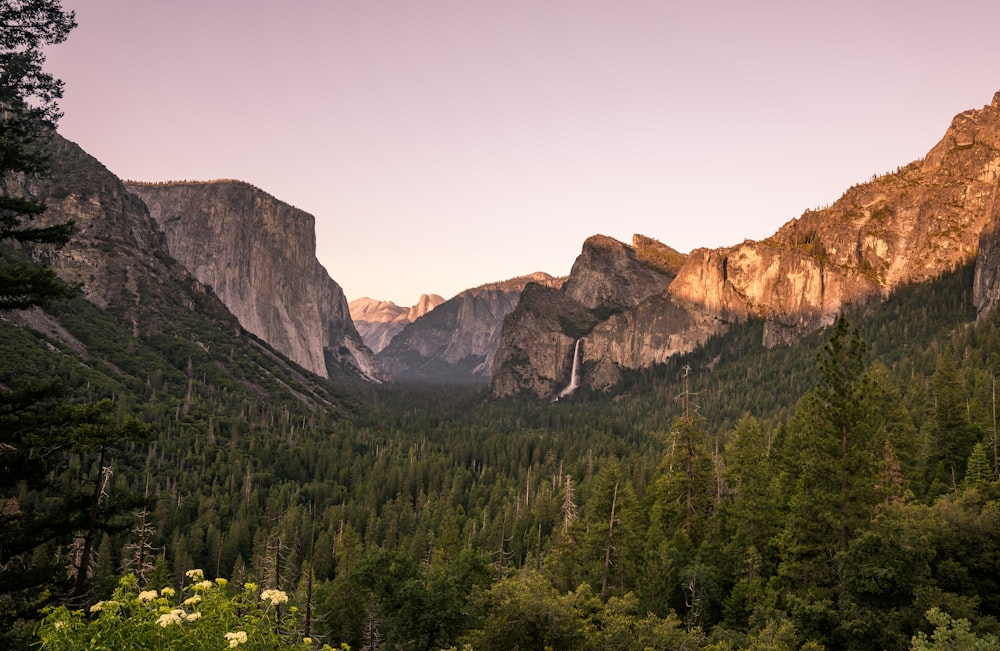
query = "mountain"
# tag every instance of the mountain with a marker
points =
(456, 342)
(147, 326)
(539, 337)
(910, 226)
(258, 255)
(379, 321)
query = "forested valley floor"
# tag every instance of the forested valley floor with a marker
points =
(841, 492)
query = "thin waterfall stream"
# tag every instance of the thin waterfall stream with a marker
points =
(574, 375)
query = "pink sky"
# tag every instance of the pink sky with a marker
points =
(448, 143)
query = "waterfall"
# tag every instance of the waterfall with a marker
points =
(574, 375)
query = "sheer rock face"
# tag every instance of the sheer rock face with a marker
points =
(457, 341)
(258, 255)
(986, 285)
(379, 321)
(927, 218)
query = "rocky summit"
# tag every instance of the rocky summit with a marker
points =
(909, 226)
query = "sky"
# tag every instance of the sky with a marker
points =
(443, 144)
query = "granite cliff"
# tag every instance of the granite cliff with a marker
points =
(456, 342)
(379, 321)
(909, 226)
(119, 256)
(258, 255)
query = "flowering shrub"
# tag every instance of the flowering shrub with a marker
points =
(209, 616)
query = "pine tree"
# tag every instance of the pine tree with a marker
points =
(750, 514)
(977, 468)
(28, 112)
(29, 541)
(831, 455)
(953, 438)
(686, 490)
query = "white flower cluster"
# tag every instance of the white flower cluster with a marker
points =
(102, 605)
(236, 638)
(195, 575)
(177, 616)
(276, 597)
(148, 595)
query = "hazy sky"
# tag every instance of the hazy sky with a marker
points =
(448, 143)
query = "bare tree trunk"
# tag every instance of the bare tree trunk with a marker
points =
(83, 563)
(607, 549)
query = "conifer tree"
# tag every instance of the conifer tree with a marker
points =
(28, 414)
(831, 458)
(953, 438)
(750, 515)
(28, 112)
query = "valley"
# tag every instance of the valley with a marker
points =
(782, 444)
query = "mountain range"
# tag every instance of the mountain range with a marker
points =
(911, 226)
(630, 306)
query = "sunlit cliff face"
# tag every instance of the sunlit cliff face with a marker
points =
(909, 226)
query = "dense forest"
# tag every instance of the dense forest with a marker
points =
(832, 492)
(184, 479)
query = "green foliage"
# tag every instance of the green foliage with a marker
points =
(952, 634)
(24, 285)
(212, 615)
(830, 467)
(415, 515)
(527, 613)
(395, 602)
(57, 460)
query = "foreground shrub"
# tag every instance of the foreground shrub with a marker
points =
(207, 615)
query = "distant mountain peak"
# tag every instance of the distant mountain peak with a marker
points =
(458, 340)
(379, 321)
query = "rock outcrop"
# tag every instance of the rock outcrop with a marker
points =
(457, 341)
(610, 275)
(117, 253)
(379, 321)
(258, 255)
(535, 354)
(910, 226)
(986, 285)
